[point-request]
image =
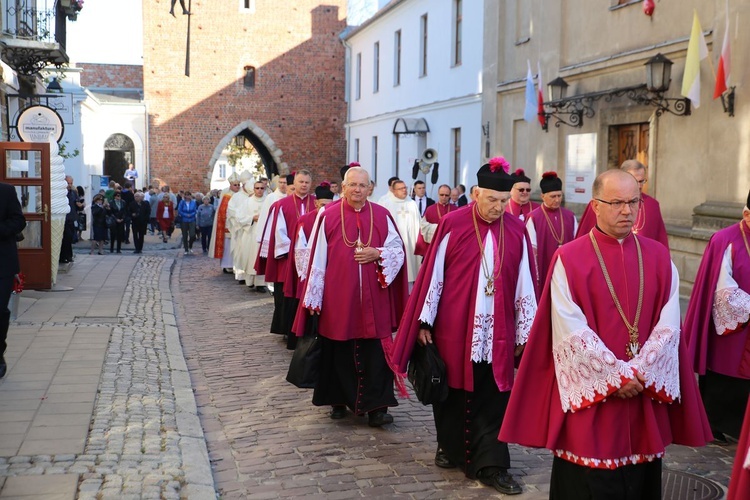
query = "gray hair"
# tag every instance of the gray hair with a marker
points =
(354, 169)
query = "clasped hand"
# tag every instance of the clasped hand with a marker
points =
(367, 255)
(632, 388)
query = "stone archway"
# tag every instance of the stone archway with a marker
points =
(119, 151)
(269, 152)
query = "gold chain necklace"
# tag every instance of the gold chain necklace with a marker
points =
(640, 220)
(489, 288)
(632, 348)
(358, 243)
(744, 236)
(559, 239)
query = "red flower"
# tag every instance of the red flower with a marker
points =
(499, 163)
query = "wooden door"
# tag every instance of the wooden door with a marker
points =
(25, 166)
(632, 142)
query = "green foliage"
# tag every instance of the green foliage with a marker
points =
(64, 151)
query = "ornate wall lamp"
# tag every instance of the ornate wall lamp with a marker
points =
(651, 93)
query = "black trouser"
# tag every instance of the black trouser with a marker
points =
(139, 232)
(117, 234)
(725, 399)
(570, 481)
(206, 237)
(66, 249)
(6, 287)
(126, 236)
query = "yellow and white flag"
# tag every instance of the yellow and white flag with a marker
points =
(697, 51)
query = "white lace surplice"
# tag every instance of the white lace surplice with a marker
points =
(731, 307)
(587, 371)
(265, 237)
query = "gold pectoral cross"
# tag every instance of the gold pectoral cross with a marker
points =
(633, 347)
(489, 288)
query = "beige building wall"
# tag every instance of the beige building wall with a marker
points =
(699, 165)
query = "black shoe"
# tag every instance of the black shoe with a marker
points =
(719, 438)
(241, 282)
(500, 480)
(3, 367)
(442, 460)
(338, 412)
(261, 289)
(379, 418)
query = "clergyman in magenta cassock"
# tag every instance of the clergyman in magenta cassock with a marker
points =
(356, 283)
(607, 387)
(475, 295)
(432, 215)
(717, 329)
(550, 226)
(520, 203)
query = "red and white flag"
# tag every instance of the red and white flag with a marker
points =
(722, 73)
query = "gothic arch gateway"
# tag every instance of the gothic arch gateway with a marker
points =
(119, 151)
(269, 152)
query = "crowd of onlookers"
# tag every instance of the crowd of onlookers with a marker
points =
(119, 212)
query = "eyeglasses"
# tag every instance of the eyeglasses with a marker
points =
(524, 190)
(360, 186)
(618, 205)
(261, 188)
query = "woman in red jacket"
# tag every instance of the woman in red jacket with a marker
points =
(165, 216)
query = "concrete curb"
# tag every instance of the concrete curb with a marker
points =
(199, 480)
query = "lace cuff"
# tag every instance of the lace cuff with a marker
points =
(431, 301)
(525, 312)
(587, 372)
(731, 310)
(314, 294)
(391, 260)
(658, 362)
(301, 261)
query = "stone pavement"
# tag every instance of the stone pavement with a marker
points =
(97, 402)
(266, 440)
(100, 401)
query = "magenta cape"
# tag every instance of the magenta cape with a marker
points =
(292, 284)
(613, 428)
(546, 245)
(260, 262)
(518, 210)
(653, 227)
(349, 312)
(291, 207)
(454, 323)
(432, 214)
(739, 484)
(727, 354)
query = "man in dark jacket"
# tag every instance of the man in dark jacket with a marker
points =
(128, 196)
(69, 232)
(140, 213)
(12, 222)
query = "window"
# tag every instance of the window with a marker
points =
(457, 33)
(396, 153)
(376, 67)
(356, 150)
(456, 154)
(423, 45)
(249, 80)
(222, 170)
(397, 58)
(375, 158)
(247, 6)
(358, 81)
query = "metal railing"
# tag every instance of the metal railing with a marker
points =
(33, 20)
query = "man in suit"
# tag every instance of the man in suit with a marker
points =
(420, 196)
(12, 222)
(462, 195)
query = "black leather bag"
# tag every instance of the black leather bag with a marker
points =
(427, 374)
(304, 368)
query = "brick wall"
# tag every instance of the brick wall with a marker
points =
(298, 99)
(111, 76)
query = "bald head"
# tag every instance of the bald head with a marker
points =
(631, 166)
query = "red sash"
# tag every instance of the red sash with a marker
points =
(221, 223)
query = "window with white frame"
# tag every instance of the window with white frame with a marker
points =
(247, 6)
(356, 150)
(423, 45)
(456, 155)
(358, 78)
(376, 67)
(397, 58)
(222, 170)
(375, 158)
(457, 31)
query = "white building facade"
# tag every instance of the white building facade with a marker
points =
(414, 81)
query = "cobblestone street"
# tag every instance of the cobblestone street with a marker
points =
(267, 440)
(156, 377)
